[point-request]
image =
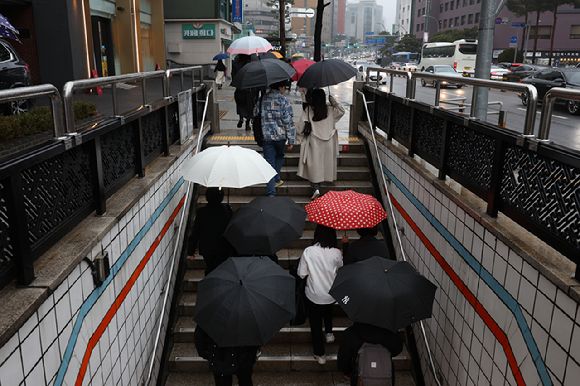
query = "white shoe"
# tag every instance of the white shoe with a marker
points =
(258, 353)
(329, 338)
(321, 359)
(316, 194)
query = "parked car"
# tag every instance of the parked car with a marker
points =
(509, 66)
(14, 72)
(497, 72)
(523, 71)
(441, 69)
(555, 77)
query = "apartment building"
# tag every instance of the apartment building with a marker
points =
(363, 17)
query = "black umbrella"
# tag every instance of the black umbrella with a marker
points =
(326, 73)
(385, 293)
(262, 73)
(265, 225)
(262, 56)
(245, 301)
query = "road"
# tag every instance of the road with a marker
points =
(565, 128)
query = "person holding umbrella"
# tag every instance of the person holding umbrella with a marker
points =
(220, 78)
(319, 149)
(320, 262)
(245, 100)
(278, 128)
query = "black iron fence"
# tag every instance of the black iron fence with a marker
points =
(536, 186)
(47, 191)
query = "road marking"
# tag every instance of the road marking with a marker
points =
(538, 112)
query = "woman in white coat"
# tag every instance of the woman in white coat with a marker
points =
(319, 149)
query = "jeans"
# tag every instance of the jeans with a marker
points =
(316, 314)
(274, 154)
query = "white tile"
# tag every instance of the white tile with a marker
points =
(45, 307)
(547, 287)
(489, 239)
(88, 285)
(499, 268)
(561, 328)
(8, 348)
(540, 337)
(543, 310)
(568, 305)
(487, 258)
(36, 376)
(530, 273)
(76, 296)
(48, 331)
(556, 359)
(477, 248)
(11, 373)
(512, 281)
(32, 350)
(52, 360)
(572, 372)
(63, 312)
(575, 342)
(28, 326)
(64, 337)
(527, 295)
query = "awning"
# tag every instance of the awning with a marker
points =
(227, 41)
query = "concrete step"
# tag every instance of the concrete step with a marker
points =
(276, 357)
(344, 159)
(345, 145)
(298, 187)
(289, 378)
(344, 173)
(286, 257)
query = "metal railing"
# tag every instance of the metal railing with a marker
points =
(548, 106)
(181, 71)
(20, 93)
(69, 88)
(396, 227)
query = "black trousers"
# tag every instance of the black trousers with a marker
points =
(244, 378)
(316, 314)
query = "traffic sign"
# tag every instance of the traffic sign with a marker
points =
(505, 20)
(514, 39)
(518, 25)
(513, 45)
(498, 20)
(369, 33)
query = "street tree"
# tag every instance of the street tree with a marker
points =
(408, 43)
(521, 8)
(452, 35)
(508, 56)
(318, 30)
(554, 4)
(538, 6)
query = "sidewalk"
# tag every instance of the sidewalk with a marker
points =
(229, 118)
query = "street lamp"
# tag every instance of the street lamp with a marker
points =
(398, 25)
(436, 21)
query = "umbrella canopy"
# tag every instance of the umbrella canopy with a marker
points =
(228, 167)
(326, 73)
(385, 293)
(346, 210)
(263, 55)
(262, 73)
(265, 225)
(277, 54)
(245, 301)
(249, 45)
(300, 66)
(7, 30)
(220, 57)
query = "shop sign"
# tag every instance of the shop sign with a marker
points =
(226, 31)
(198, 31)
(236, 11)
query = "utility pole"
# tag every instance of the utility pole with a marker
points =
(282, 29)
(484, 53)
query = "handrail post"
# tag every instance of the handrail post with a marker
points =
(144, 89)
(531, 109)
(114, 96)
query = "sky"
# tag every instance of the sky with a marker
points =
(389, 12)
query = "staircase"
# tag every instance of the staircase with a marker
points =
(287, 359)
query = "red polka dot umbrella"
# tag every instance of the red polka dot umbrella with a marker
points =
(346, 210)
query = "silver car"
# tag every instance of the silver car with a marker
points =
(441, 69)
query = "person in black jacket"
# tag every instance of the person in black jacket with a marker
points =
(365, 247)
(353, 339)
(210, 223)
(220, 70)
(245, 99)
(245, 359)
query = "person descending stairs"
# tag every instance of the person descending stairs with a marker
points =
(287, 359)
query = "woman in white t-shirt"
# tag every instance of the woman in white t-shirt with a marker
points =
(320, 263)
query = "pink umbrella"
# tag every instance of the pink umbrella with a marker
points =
(249, 45)
(300, 66)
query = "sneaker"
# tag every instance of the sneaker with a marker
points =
(276, 184)
(329, 338)
(321, 359)
(258, 353)
(315, 194)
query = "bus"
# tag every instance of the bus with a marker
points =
(460, 55)
(402, 58)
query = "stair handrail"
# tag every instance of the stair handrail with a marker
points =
(173, 260)
(396, 227)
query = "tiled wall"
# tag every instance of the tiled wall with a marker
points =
(83, 335)
(496, 320)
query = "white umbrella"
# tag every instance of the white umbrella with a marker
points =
(249, 45)
(228, 167)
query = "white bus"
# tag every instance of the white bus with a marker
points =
(460, 55)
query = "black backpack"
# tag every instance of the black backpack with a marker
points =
(223, 360)
(375, 367)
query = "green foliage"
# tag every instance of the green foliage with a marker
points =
(37, 121)
(409, 43)
(452, 35)
(508, 56)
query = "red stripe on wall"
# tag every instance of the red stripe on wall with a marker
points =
(124, 292)
(490, 323)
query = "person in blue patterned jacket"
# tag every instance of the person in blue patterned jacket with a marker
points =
(278, 128)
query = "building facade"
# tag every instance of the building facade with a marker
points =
(433, 15)
(363, 17)
(404, 18)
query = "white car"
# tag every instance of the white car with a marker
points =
(497, 72)
(441, 69)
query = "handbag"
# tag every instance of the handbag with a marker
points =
(300, 297)
(307, 127)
